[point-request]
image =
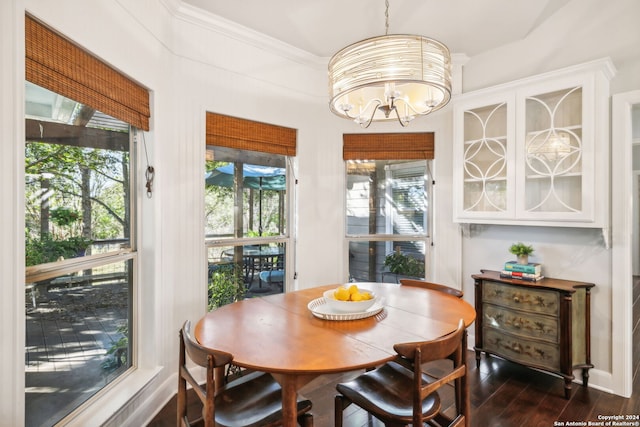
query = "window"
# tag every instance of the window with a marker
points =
(246, 208)
(78, 254)
(79, 235)
(387, 206)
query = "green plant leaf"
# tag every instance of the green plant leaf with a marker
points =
(520, 248)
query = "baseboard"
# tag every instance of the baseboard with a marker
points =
(598, 379)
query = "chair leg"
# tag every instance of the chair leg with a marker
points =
(340, 404)
(181, 410)
(305, 420)
(181, 407)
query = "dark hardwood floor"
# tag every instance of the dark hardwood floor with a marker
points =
(501, 393)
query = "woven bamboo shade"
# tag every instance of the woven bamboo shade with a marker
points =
(58, 65)
(388, 146)
(232, 132)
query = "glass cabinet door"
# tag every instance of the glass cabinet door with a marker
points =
(487, 165)
(535, 151)
(552, 157)
(485, 159)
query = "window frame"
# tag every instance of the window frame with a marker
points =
(285, 238)
(44, 271)
(50, 270)
(390, 238)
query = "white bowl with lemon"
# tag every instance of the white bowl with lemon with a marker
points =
(350, 299)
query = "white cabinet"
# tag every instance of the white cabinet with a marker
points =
(535, 151)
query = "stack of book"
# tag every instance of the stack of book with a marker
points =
(531, 272)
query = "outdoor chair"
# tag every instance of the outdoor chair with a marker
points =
(273, 272)
(252, 400)
(398, 393)
(435, 286)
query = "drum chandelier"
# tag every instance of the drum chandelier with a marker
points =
(390, 77)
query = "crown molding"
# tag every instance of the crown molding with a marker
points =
(196, 16)
(220, 25)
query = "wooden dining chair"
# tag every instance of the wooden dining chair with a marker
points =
(253, 400)
(398, 393)
(435, 286)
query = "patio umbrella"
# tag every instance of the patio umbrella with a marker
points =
(256, 177)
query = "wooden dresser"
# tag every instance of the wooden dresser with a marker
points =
(544, 325)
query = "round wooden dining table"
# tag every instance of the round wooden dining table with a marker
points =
(280, 335)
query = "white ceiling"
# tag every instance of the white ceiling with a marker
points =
(322, 27)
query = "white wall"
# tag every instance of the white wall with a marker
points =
(11, 235)
(192, 67)
(580, 31)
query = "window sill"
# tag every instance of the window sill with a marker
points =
(112, 399)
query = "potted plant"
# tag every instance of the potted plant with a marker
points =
(64, 217)
(77, 245)
(521, 251)
(69, 237)
(404, 265)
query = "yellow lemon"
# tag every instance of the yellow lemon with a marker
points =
(341, 294)
(356, 296)
(353, 289)
(366, 295)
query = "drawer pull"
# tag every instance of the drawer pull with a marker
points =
(519, 298)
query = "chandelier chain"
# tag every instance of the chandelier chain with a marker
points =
(386, 18)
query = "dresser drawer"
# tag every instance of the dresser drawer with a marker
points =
(528, 352)
(544, 324)
(526, 325)
(522, 298)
